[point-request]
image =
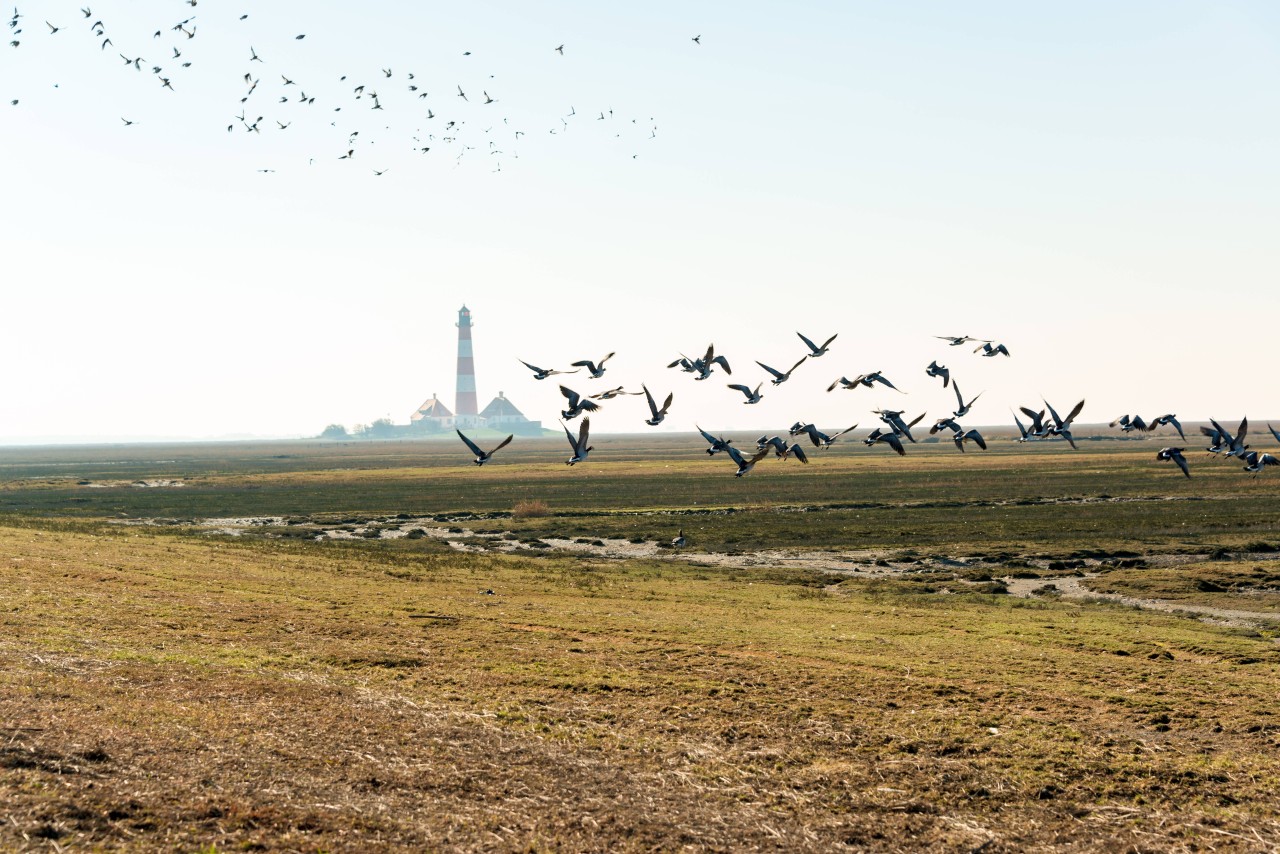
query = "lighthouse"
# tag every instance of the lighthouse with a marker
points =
(466, 402)
(501, 414)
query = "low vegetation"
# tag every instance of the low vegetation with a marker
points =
(168, 687)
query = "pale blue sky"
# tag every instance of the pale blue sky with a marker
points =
(1093, 184)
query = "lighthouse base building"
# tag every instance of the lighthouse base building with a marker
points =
(501, 414)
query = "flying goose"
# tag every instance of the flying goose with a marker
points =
(1217, 441)
(1038, 430)
(745, 465)
(988, 350)
(705, 365)
(1062, 427)
(963, 407)
(1255, 462)
(945, 424)
(867, 380)
(893, 420)
(1235, 444)
(936, 370)
(753, 396)
(1023, 435)
(822, 440)
(1128, 424)
(958, 434)
(542, 373)
(780, 449)
(814, 350)
(577, 404)
(658, 414)
(596, 370)
(891, 439)
(718, 443)
(969, 436)
(1172, 421)
(612, 393)
(1174, 454)
(778, 376)
(958, 340)
(483, 457)
(579, 445)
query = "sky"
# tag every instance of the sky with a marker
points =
(1094, 185)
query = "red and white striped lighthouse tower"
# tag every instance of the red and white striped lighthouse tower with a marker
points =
(466, 404)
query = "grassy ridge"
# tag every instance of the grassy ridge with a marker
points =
(174, 693)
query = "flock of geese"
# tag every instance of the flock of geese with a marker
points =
(433, 117)
(895, 431)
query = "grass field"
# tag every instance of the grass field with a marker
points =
(165, 687)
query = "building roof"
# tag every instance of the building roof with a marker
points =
(500, 407)
(433, 408)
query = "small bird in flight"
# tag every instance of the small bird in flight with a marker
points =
(778, 376)
(814, 350)
(1174, 455)
(483, 457)
(542, 373)
(595, 370)
(579, 445)
(958, 340)
(657, 414)
(987, 350)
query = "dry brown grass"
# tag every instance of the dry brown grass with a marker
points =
(530, 509)
(161, 692)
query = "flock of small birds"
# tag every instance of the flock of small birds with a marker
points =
(895, 432)
(447, 119)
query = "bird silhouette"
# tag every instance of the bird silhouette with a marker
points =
(579, 444)
(867, 380)
(891, 439)
(753, 395)
(958, 340)
(1175, 455)
(778, 376)
(745, 465)
(814, 350)
(657, 414)
(1062, 426)
(578, 404)
(718, 443)
(1255, 462)
(542, 373)
(482, 456)
(936, 370)
(596, 370)
(962, 408)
